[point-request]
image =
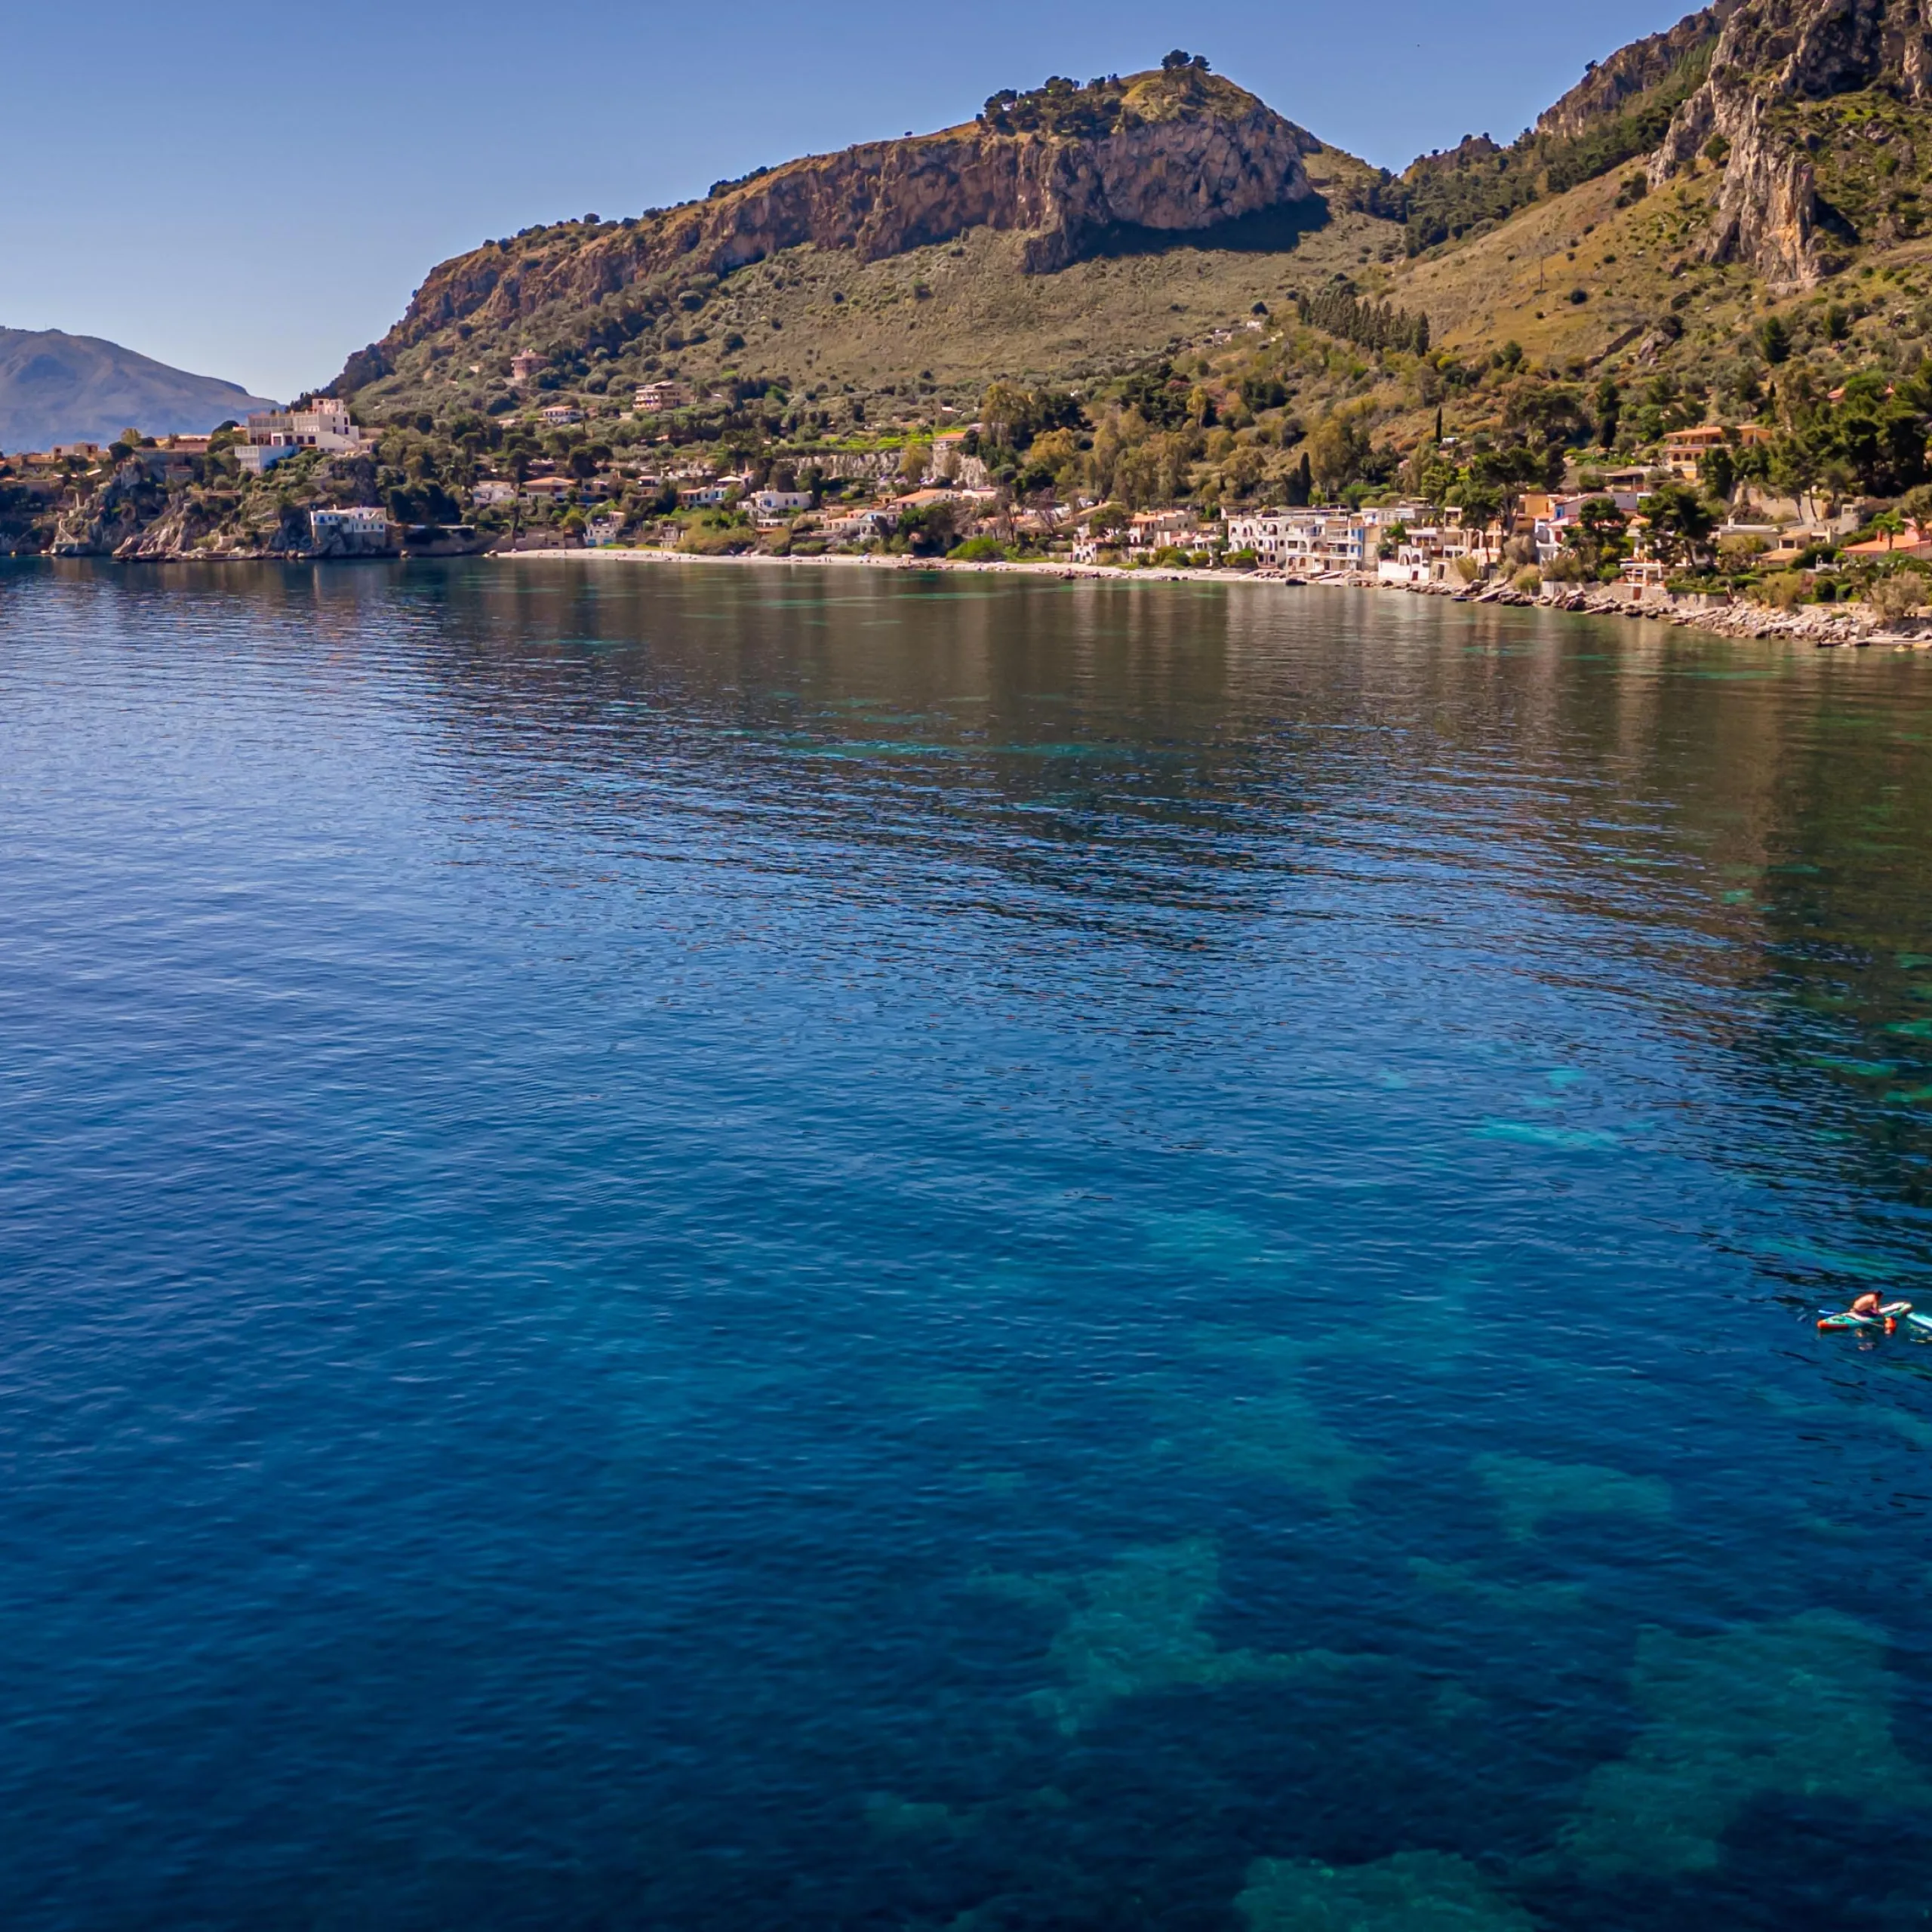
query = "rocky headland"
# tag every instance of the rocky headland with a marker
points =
(1174, 151)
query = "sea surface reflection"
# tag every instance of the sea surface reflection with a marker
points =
(778, 1247)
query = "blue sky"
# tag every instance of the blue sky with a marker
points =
(252, 192)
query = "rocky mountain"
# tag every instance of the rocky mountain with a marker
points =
(1611, 87)
(1690, 183)
(1175, 151)
(1791, 81)
(56, 388)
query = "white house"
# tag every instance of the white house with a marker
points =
(1416, 561)
(776, 503)
(270, 435)
(1428, 553)
(360, 527)
(557, 414)
(1312, 542)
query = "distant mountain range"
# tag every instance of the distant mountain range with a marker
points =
(57, 388)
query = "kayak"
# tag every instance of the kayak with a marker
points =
(1887, 1318)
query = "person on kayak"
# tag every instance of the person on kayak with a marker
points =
(1869, 1304)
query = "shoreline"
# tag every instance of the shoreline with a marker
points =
(1823, 626)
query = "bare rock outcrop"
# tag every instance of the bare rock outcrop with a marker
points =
(1187, 151)
(96, 524)
(1631, 72)
(1769, 53)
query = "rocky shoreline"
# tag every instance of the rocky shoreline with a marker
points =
(1825, 626)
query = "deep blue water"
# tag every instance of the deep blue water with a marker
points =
(765, 1249)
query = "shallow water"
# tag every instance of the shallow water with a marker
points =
(770, 1249)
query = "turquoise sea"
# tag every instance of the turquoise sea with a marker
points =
(782, 1248)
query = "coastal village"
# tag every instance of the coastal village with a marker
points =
(924, 494)
(1546, 373)
(1683, 526)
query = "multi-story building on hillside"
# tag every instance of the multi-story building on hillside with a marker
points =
(271, 435)
(1685, 449)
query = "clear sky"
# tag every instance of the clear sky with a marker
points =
(252, 191)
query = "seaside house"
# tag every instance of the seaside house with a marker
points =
(556, 414)
(653, 398)
(881, 520)
(1911, 541)
(1315, 543)
(1160, 530)
(1430, 552)
(1417, 559)
(271, 435)
(167, 465)
(771, 508)
(1327, 546)
(494, 490)
(362, 527)
(523, 366)
(1550, 519)
(1684, 449)
(1262, 533)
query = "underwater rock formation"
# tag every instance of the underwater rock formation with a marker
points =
(1135, 1627)
(1803, 1705)
(1412, 1891)
(1528, 1491)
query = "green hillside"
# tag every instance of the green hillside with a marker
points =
(901, 337)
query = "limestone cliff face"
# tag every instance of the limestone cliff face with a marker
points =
(1772, 52)
(1187, 151)
(1631, 72)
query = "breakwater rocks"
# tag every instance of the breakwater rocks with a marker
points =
(1825, 625)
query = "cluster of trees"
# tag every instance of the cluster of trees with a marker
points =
(1014, 420)
(1338, 309)
(1061, 107)
(1681, 521)
(1872, 441)
(1167, 401)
